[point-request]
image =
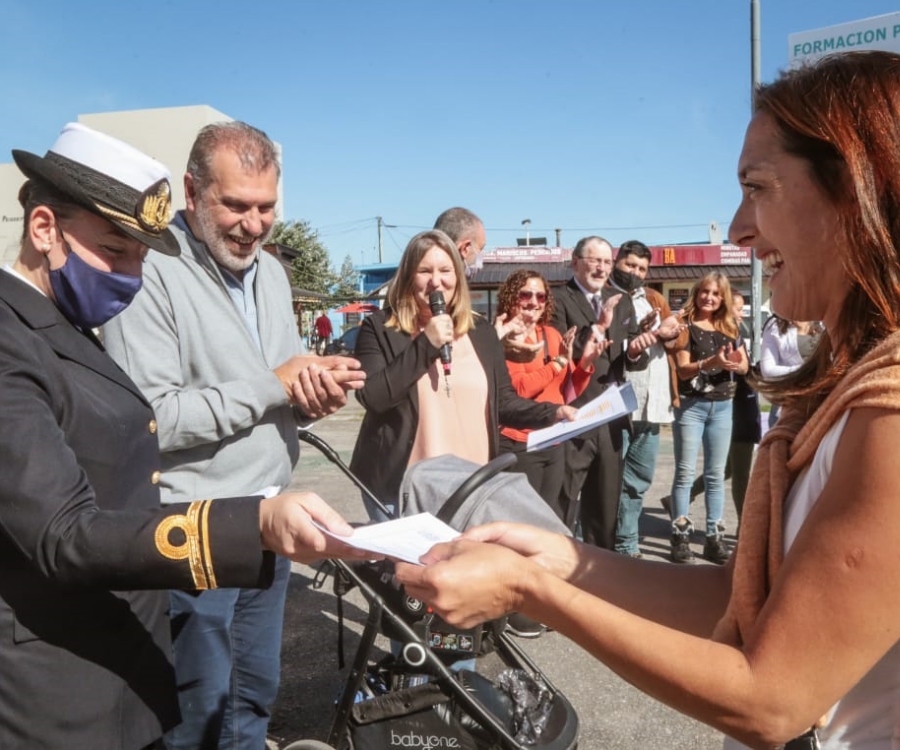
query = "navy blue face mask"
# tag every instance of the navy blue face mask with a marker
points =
(89, 297)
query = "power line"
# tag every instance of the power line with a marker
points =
(343, 224)
(357, 225)
(610, 229)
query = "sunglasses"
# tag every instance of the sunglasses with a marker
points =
(527, 294)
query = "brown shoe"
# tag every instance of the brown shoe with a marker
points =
(715, 550)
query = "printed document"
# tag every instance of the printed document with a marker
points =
(404, 539)
(616, 401)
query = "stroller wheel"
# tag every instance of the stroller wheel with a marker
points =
(308, 745)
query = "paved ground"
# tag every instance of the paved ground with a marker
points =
(613, 715)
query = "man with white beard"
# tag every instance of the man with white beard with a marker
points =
(212, 342)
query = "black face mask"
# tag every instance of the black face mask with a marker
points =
(627, 282)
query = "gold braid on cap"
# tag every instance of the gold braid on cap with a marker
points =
(195, 548)
(152, 211)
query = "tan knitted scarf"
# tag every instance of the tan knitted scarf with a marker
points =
(786, 449)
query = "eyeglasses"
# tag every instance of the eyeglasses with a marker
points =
(594, 261)
(527, 294)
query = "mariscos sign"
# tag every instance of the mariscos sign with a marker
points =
(662, 255)
(878, 32)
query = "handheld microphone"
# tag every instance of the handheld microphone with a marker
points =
(439, 307)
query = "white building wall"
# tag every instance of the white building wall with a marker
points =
(10, 212)
(166, 134)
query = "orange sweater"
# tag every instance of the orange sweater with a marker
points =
(540, 381)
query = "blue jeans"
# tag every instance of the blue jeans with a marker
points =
(698, 421)
(640, 451)
(227, 646)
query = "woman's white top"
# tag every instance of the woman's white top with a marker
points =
(779, 352)
(867, 717)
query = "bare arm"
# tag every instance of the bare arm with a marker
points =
(833, 612)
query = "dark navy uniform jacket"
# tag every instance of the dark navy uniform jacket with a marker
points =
(84, 639)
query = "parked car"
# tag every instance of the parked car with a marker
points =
(343, 344)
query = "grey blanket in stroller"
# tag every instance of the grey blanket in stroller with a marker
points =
(505, 497)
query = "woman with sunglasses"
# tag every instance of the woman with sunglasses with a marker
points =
(416, 407)
(541, 367)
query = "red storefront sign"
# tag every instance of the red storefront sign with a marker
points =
(663, 255)
(700, 255)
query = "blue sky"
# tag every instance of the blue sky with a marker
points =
(622, 119)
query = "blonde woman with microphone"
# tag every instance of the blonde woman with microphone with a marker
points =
(414, 408)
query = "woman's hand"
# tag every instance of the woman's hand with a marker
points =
(439, 330)
(568, 342)
(727, 358)
(468, 582)
(486, 573)
(555, 553)
(516, 349)
(505, 325)
(566, 413)
(286, 528)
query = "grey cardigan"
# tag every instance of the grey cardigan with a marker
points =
(225, 425)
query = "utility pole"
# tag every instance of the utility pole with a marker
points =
(558, 234)
(526, 223)
(755, 266)
(380, 247)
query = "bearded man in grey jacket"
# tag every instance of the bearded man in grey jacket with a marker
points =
(213, 343)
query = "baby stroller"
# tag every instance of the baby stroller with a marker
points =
(417, 696)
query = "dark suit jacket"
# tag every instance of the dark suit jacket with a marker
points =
(573, 309)
(393, 363)
(85, 651)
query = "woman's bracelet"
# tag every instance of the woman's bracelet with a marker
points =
(561, 361)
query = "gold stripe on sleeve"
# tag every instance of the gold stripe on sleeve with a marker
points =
(207, 553)
(196, 553)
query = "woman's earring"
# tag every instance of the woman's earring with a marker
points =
(45, 248)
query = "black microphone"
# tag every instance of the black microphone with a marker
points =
(439, 307)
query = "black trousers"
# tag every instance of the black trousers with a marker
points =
(593, 482)
(544, 470)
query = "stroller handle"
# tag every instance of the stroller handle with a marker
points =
(307, 436)
(473, 482)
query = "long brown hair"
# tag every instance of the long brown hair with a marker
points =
(842, 116)
(722, 319)
(401, 300)
(508, 295)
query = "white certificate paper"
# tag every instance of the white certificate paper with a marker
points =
(616, 401)
(404, 539)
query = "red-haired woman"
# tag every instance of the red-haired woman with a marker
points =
(540, 366)
(803, 627)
